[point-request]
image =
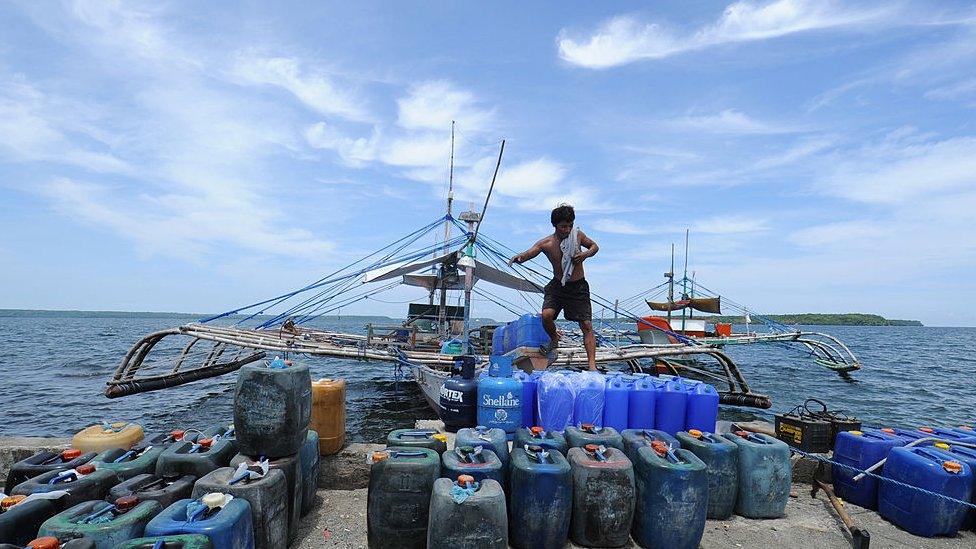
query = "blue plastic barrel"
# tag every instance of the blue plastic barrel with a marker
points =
(672, 400)
(493, 439)
(860, 449)
(500, 397)
(588, 406)
(765, 475)
(556, 396)
(528, 398)
(228, 526)
(541, 486)
(672, 498)
(933, 470)
(615, 402)
(641, 404)
(702, 410)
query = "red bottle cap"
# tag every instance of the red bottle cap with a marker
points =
(47, 542)
(888, 430)
(177, 434)
(85, 469)
(695, 433)
(125, 503)
(591, 448)
(10, 501)
(205, 442)
(465, 480)
(537, 430)
(926, 429)
(660, 447)
(70, 454)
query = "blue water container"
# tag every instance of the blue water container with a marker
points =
(615, 402)
(642, 404)
(541, 485)
(556, 396)
(491, 438)
(967, 456)
(588, 405)
(478, 461)
(498, 341)
(537, 436)
(535, 375)
(634, 439)
(701, 412)
(672, 498)
(721, 457)
(672, 400)
(500, 397)
(765, 475)
(860, 449)
(933, 470)
(588, 433)
(530, 332)
(910, 435)
(528, 398)
(228, 526)
(510, 336)
(948, 434)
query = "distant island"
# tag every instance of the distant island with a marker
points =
(823, 319)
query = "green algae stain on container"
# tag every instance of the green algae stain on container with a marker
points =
(107, 524)
(722, 459)
(179, 541)
(765, 475)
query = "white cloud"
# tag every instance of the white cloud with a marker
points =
(796, 153)
(961, 89)
(355, 152)
(624, 39)
(314, 88)
(433, 105)
(903, 168)
(618, 226)
(729, 121)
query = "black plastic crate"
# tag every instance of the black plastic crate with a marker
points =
(804, 433)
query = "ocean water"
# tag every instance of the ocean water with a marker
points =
(54, 367)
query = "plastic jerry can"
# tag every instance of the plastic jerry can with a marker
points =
(152, 487)
(169, 437)
(493, 439)
(19, 519)
(635, 438)
(616, 402)
(765, 475)
(222, 432)
(129, 463)
(967, 456)
(195, 458)
(50, 542)
(701, 412)
(398, 502)
(107, 524)
(860, 449)
(105, 436)
(949, 435)
(458, 399)
(672, 498)
(588, 405)
(224, 519)
(478, 462)
(476, 518)
(603, 496)
(541, 485)
(82, 483)
(417, 438)
(642, 403)
(555, 397)
(933, 470)
(328, 415)
(537, 436)
(178, 541)
(309, 460)
(588, 433)
(291, 467)
(721, 457)
(266, 494)
(530, 332)
(272, 408)
(46, 461)
(528, 398)
(671, 406)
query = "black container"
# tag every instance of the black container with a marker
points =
(272, 408)
(149, 487)
(401, 481)
(19, 524)
(91, 486)
(804, 432)
(459, 396)
(195, 458)
(291, 466)
(43, 462)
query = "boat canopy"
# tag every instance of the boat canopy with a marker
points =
(703, 304)
(482, 271)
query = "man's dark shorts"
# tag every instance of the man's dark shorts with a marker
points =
(573, 299)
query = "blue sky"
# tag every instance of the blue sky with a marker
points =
(178, 156)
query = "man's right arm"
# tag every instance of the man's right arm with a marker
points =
(527, 255)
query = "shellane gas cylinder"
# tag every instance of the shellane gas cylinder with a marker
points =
(500, 397)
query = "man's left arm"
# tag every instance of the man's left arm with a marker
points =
(591, 248)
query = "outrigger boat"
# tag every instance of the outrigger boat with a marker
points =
(426, 344)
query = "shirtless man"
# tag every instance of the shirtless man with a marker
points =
(568, 291)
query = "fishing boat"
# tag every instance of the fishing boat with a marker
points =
(456, 269)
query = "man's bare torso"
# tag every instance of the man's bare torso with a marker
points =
(550, 247)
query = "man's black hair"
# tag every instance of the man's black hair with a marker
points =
(563, 212)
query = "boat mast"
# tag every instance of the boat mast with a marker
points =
(442, 310)
(670, 276)
(684, 282)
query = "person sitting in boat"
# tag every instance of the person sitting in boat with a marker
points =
(568, 290)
